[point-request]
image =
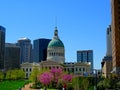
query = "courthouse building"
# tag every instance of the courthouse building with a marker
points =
(56, 59)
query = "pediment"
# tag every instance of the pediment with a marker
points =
(50, 62)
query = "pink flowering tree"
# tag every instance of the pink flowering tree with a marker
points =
(46, 78)
(57, 74)
(55, 77)
(67, 78)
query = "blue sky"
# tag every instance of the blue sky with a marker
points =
(81, 23)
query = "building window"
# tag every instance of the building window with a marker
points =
(26, 75)
(83, 69)
(30, 70)
(72, 69)
(79, 69)
(26, 69)
(76, 69)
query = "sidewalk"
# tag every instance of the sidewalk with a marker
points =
(27, 87)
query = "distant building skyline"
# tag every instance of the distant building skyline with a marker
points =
(40, 49)
(85, 56)
(25, 49)
(2, 46)
(56, 59)
(12, 56)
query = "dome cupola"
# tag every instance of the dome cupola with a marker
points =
(55, 50)
(55, 42)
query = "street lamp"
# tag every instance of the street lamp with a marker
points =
(95, 81)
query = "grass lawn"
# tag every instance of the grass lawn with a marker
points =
(50, 89)
(11, 85)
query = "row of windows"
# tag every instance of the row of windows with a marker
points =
(56, 54)
(80, 69)
(68, 69)
(76, 69)
(27, 69)
(50, 67)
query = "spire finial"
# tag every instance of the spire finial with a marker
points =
(56, 32)
(56, 21)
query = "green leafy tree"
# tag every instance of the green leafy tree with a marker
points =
(85, 83)
(8, 74)
(21, 74)
(104, 84)
(1, 76)
(34, 74)
(15, 74)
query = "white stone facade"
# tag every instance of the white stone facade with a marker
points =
(56, 54)
(28, 68)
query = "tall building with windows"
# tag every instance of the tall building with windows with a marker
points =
(115, 8)
(40, 49)
(12, 56)
(2, 47)
(109, 41)
(85, 56)
(107, 60)
(25, 49)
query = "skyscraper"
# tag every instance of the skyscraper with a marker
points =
(109, 41)
(40, 49)
(25, 49)
(2, 47)
(107, 60)
(115, 6)
(85, 56)
(12, 56)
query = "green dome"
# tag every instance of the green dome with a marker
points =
(55, 43)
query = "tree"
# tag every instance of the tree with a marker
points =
(8, 74)
(21, 74)
(54, 78)
(46, 78)
(67, 78)
(34, 74)
(57, 75)
(106, 83)
(85, 83)
(1, 75)
(15, 74)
